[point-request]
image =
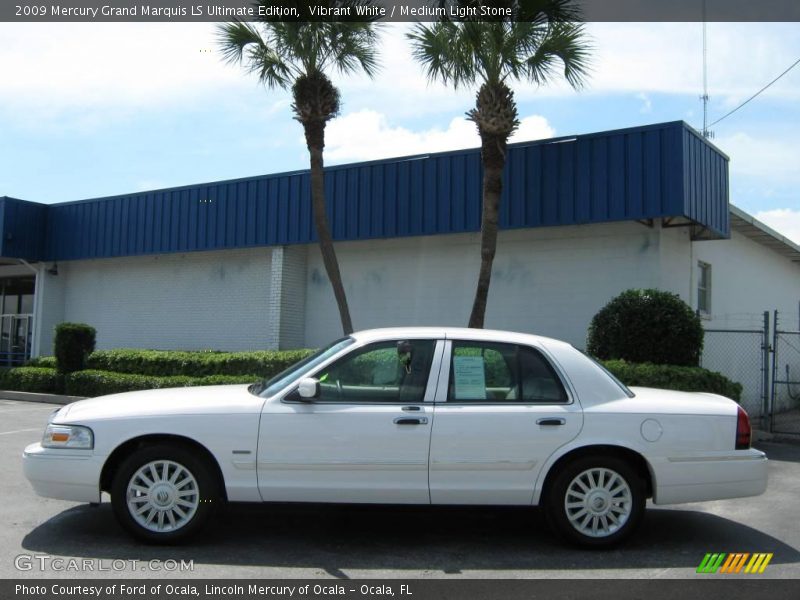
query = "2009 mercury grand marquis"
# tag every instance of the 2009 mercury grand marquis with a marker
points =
(413, 415)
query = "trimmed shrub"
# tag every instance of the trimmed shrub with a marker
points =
(647, 326)
(72, 344)
(42, 361)
(32, 379)
(686, 379)
(263, 363)
(100, 383)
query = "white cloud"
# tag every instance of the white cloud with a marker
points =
(91, 68)
(367, 134)
(770, 157)
(783, 220)
(47, 68)
(647, 104)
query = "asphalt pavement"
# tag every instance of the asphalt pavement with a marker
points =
(52, 538)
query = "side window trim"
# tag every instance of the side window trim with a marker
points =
(435, 374)
(443, 389)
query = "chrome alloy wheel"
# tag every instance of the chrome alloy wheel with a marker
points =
(598, 502)
(162, 496)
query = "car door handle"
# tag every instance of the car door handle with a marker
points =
(411, 421)
(551, 421)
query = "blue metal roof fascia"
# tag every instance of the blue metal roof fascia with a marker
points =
(22, 229)
(705, 183)
(627, 174)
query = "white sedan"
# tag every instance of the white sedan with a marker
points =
(405, 416)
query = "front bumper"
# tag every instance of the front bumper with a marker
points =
(735, 474)
(63, 474)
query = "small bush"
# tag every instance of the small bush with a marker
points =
(42, 361)
(687, 379)
(100, 383)
(263, 363)
(647, 326)
(32, 379)
(72, 344)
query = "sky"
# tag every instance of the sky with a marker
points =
(97, 109)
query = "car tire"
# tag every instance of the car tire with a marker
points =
(164, 493)
(596, 501)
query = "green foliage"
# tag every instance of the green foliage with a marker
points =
(72, 344)
(262, 363)
(100, 383)
(647, 326)
(32, 379)
(42, 361)
(687, 379)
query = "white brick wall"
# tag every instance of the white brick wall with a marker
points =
(547, 281)
(287, 297)
(202, 300)
(50, 293)
(747, 278)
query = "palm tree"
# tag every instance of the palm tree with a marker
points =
(295, 56)
(528, 47)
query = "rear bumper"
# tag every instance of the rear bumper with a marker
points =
(735, 474)
(63, 474)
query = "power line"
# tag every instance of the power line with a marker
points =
(797, 62)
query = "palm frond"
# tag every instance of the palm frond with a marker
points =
(528, 48)
(234, 37)
(445, 51)
(565, 42)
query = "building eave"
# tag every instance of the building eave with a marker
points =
(750, 227)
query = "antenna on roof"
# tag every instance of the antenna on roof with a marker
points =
(707, 133)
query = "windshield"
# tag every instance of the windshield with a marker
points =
(269, 387)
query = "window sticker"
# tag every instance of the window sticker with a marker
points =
(469, 378)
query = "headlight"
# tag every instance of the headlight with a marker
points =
(68, 436)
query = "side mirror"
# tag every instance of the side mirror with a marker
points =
(308, 388)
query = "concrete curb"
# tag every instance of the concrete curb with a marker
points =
(44, 398)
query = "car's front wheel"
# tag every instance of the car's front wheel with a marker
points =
(596, 501)
(164, 493)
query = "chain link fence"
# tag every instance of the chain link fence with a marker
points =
(740, 355)
(785, 392)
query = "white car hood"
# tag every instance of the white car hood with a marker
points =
(216, 399)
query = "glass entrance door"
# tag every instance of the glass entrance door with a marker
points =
(16, 319)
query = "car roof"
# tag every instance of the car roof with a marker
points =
(454, 333)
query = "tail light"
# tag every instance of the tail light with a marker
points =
(743, 431)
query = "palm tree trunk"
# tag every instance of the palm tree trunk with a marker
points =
(315, 139)
(493, 156)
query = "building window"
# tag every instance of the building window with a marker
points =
(704, 288)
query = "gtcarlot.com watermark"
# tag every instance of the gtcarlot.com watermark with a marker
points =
(45, 562)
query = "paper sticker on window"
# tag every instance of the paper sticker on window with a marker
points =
(469, 378)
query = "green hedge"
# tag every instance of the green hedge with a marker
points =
(687, 379)
(263, 363)
(99, 383)
(48, 362)
(41, 376)
(32, 379)
(162, 363)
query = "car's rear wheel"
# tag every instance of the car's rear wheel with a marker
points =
(596, 501)
(164, 493)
